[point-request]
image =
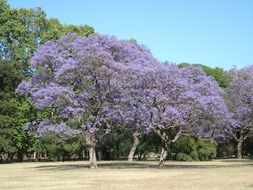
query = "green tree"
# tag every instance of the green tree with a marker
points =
(10, 77)
(54, 30)
(20, 30)
(23, 30)
(218, 73)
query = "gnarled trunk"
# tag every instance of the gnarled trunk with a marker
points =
(240, 140)
(162, 158)
(91, 143)
(239, 149)
(134, 146)
(166, 141)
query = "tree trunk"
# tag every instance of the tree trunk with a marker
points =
(20, 156)
(34, 155)
(162, 158)
(93, 158)
(239, 149)
(91, 143)
(3, 157)
(99, 155)
(25, 157)
(134, 146)
(46, 156)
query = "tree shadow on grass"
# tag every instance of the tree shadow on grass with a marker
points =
(238, 160)
(250, 186)
(135, 165)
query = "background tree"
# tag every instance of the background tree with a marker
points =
(218, 73)
(14, 112)
(54, 30)
(22, 31)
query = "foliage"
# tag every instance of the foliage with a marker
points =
(226, 149)
(12, 138)
(59, 149)
(115, 145)
(183, 157)
(206, 150)
(194, 155)
(247, 147)
(22, 31)
(197, 149)
(186, 145)
(149, 143)
(15, 111)
(54, 30)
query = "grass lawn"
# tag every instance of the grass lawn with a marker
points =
(120, 175)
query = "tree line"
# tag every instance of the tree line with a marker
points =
(86, 95)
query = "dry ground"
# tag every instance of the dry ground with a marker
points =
(119, 175)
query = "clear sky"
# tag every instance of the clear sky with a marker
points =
(210, 32)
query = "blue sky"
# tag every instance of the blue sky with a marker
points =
(210, 32)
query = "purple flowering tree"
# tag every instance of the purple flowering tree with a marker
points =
(135, 118)
(178, 102)
(78, 79)
(239, 97)
(133, 113)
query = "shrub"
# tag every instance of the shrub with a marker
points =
(206, 150)
(194, 155)
(183, 157)
(186, 145)
(195, 148)
(226, 149)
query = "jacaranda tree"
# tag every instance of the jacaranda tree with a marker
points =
(77, 78)
(239, 97)
(133, 113)
(178, 101)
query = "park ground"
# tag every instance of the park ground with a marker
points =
(120, 175)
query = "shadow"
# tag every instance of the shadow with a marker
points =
(250, 186)
(237, 160)
(126, 165)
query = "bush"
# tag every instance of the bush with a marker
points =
(194, 155)
(206, 150)
(226, 149)
(247, 147)
(183, 157)
(186, 145)
(194, 148)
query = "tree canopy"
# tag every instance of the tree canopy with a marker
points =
(23, 30)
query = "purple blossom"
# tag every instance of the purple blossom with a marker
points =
(43, 127)
(24, 88)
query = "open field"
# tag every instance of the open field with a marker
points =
(119, 175)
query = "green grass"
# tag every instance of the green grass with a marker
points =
(119, 175)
